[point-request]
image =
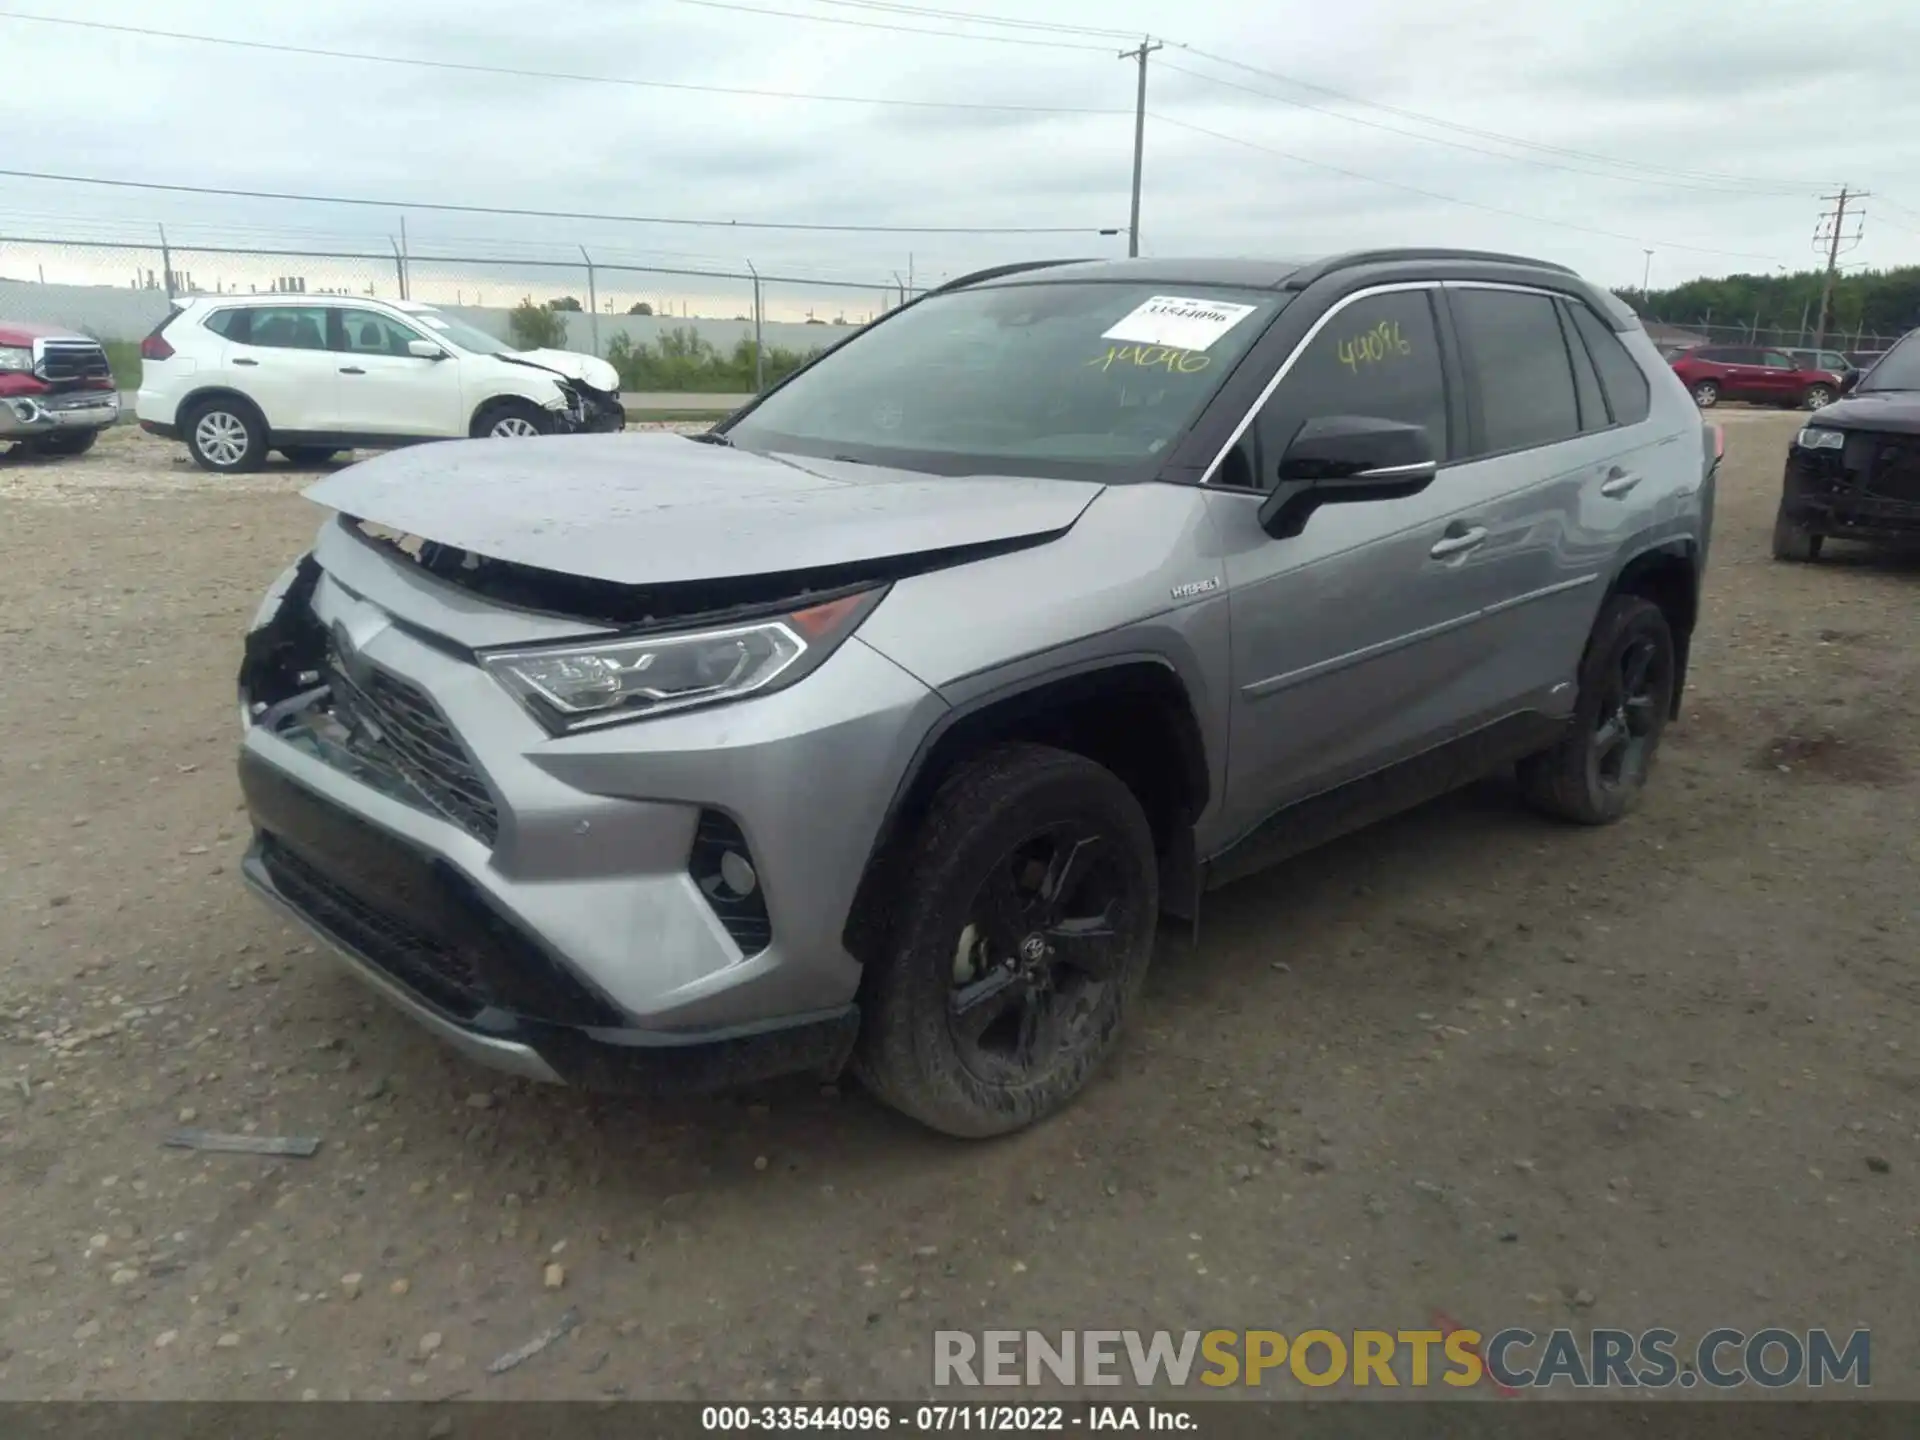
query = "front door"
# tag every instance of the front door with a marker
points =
(384, 389)
(1354, 641)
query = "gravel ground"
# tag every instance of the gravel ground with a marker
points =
(1666, 1073)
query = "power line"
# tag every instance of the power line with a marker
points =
(883, 25)
(1514, 140)
(565, 214)
(1460, 144)
(1452, 199)
(464, 67)
(974, 16)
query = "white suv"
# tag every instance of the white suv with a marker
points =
(312, 375)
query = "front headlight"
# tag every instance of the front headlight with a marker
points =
(14, 357)
(1813, 437)
(576, 687)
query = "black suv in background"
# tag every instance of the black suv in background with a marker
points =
(1854, 468)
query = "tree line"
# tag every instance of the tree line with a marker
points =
(1882, 302)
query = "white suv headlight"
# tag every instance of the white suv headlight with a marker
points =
(13, 357)
(1813, 437)
(577, 687)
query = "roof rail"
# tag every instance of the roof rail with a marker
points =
(1320, 269)
(994, 272)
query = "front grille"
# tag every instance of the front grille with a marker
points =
(398, 725)
(63, 360)
(440, 975)
(1893, 469)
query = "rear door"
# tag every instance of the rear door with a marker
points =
(277, 356)
(384, 389)
(1782, 380)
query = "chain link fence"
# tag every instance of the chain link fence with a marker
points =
(1857, 342)
(664, 326)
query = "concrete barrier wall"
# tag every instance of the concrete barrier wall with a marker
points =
(107, 313)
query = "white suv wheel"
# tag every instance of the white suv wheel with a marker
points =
(512, 427)
(221, 436)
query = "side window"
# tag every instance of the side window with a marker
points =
(1628, 394)
(1834, 361)
(1519, 358)
(367, 332)
(229, 324)
(1378, 357)
(1774, 360)
(289, 327)
(1586, 384)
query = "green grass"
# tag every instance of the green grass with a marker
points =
(674, 417)
(124, 357)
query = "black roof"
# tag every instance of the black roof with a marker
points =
(1240, 273)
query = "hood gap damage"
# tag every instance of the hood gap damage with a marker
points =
(668, 605)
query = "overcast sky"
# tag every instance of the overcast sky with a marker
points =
(1732, 120)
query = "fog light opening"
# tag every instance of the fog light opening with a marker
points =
(736, 871)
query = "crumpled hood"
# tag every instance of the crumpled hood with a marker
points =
(575, 366)
(1895, 412)
(657, 509)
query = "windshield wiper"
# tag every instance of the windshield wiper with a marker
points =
(711, 437)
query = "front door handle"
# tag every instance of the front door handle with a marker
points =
(1448, 546)
(351, 370)
(244, 361)
(1618, 482)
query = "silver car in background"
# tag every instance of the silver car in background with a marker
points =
(880, 725)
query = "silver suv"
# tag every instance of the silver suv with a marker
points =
(879, 725)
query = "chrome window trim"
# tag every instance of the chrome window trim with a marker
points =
(1266, 391)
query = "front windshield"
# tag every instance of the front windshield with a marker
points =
(1899, 368)
(1063, 378)
(458, 333)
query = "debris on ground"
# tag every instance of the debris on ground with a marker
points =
(562, 1327)
(303, 1146)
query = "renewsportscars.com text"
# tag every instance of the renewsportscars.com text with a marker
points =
(1513, 1358)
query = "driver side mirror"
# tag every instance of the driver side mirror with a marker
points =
(1346, 459)
(425, 350)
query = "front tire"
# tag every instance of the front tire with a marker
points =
(1793, 541)
(227, 437)
(512, 420)
(63, 446)
(1706, 394)
(1026, 922)
(1818, 397)
(1596, 773)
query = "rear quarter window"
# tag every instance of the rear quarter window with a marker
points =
(1629, 397)
(228, 324)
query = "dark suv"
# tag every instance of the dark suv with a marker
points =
(1748, 372)
(1854, 468)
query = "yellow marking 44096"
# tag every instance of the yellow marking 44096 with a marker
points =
(1153, 357)
(1382, 342)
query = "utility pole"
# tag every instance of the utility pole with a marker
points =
(1646, 275)
(406, 281)
(1832, 231)
(1147, 47)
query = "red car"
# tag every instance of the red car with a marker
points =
(1747, 372)
(56, 389)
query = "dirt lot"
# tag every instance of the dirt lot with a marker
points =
(1662, 1074)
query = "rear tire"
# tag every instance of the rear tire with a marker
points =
(74, 442)
(995, 998)
(512, 420)
(1706, 394)
(1596, 773)
(225, 436)
(1793, 541)
(308, 454)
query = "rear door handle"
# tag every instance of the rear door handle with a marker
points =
(1618, 483)
(246, 362)
(351, 370)
(1448, 546)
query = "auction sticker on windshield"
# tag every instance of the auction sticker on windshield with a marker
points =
(1179, 322)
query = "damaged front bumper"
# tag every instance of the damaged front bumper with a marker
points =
(57, 412)
(1867, 489)
(549, 906)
